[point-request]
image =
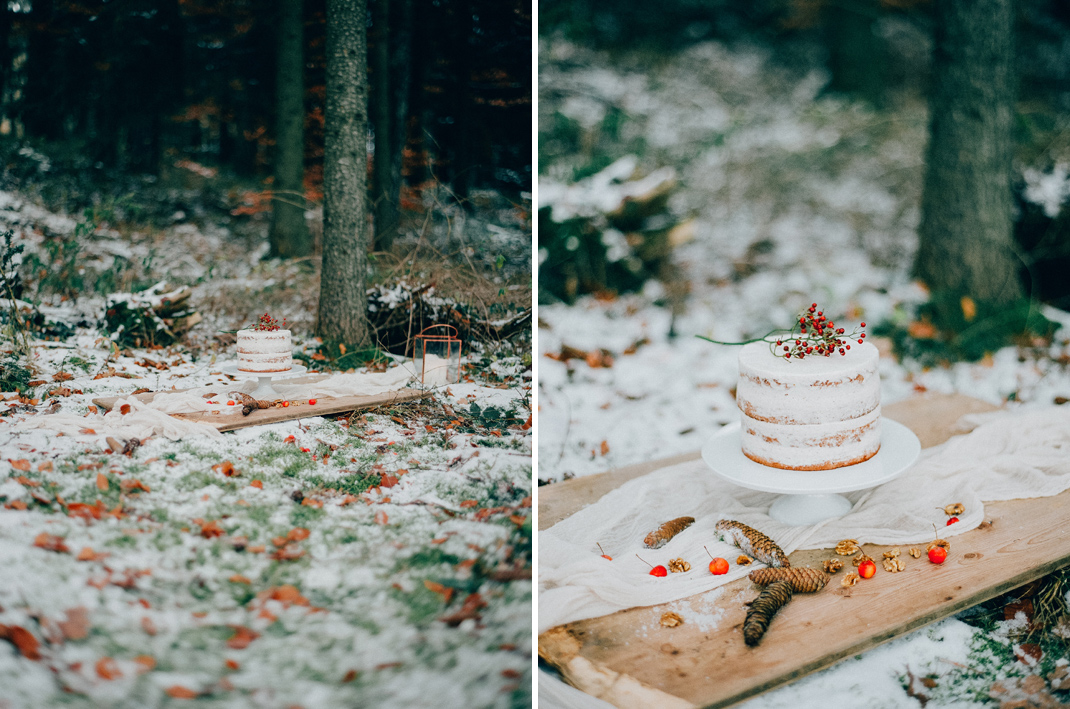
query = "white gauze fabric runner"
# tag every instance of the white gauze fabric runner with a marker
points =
(1008, 456)
(153, 418)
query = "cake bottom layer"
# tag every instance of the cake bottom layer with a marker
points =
(266, 363)
(821, 446)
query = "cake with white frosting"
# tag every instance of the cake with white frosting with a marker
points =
(809, 413)
(264, 351)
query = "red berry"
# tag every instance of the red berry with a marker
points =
(951, 520)
(860, 342)
(659, 571)
(862, 335)
(718, 567)
(604, 554)
(785, 348)
(305, 450)
(863, 324)
(937, 555)
(813, 305)
(848, 347)
(866, 569)
(230, 403)
(312, 402)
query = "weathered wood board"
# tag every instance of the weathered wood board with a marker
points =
(630, 660)
(324, 406)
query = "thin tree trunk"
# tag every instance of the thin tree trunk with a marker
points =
(401, 78)
(386, 211)
(289, 233)
(965, 234)
(343, 295)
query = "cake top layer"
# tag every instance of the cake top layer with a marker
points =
(264, 334)
(755, 359)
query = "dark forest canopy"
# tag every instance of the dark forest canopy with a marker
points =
(149, 87)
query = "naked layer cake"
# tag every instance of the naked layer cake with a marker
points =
(264, 351)
(815, 413)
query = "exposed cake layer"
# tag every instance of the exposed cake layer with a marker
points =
(813, 390)
(821, 446)
(264, 351)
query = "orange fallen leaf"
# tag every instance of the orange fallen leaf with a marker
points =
(102, 482)
(257, 484)
(20, 464)
(15, 505)
(177, 691)
(526, 502)
(51, 542)
(287, 594)
(81, 509)
(226, 468)
(133, 485)
(146, 662)
(445, 591)
(62, 376)
(469, 503)
(75, 625)
(232, 665)
(255, 549)
(387, 480)
(45, 467)
(147, 625)
(470, 610)
(312, 502)
(87, 431)
(288, 553)
(605, 447)
(22, 639)
(242, 637)
(238, 578)
(349, 676)
(297, 534)
(124, 409)
(108, 669)
(921, 330)
(212, 529)
(527, 424)
(279, 541)
(87, 554)
(23, 480)
(381, 517)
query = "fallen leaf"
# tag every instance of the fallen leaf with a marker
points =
(605, 447)
(102, 482)
(23, 480)
(22, 639)
(969, 308)
(177, 691)
(51, 542)
(133, 485)
(15, 505)
(226, 468)
(242, 637)
(445, 591)
(387, 480)
(147, 625)
(21, 464)
(238, 578)
(62, 376)
(146, 662)
(232, 664)
(257, 484)
(297, 534)
(287, 594)
(87, 554)
(350, 676)
(124, 409)
(468, 611)
(75, 625)
(288, 553)
(312, 502)
(526, 502)
(81, 509)
(212, 529)
(469, 503)
(45, 467)
(108, 669)
(381, 517)
(527, 424)
(87, 432)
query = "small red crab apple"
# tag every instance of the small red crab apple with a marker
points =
(718, 566)
(604, 554)
(658, 570)
(867, 568)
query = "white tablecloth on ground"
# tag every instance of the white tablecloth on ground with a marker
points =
(153, 418)
(1009, 455)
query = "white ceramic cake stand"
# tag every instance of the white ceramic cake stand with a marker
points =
(810, 496)
(263, 388)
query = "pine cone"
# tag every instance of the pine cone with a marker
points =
(753, 542)
(831, 566)
(847, 547)
(803, 579)
(678, 566)
(763, 608)
(661, 536)
(249, 404)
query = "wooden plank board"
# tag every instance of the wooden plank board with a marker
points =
(630, 660)
(324, 406)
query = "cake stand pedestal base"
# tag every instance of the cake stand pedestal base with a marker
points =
(799, 510)
(264, 390)
(808, 497)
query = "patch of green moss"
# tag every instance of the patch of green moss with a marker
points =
(303, 515)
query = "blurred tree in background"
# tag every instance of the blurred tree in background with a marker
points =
(165, 87)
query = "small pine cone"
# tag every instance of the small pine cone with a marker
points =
(803, 579)
(847, 547)
(892, 553)
(914, 552)
(762, 609)
(860, 558)
(849, 580)
(678, 566)
(894, 565)
(671, 620)
(752, 542)
(661, 536)
(956, 508)
(743, 560)
(831, 566)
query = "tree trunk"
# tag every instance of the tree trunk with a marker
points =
(965, 235)
(386, 208)
(289, 234)
(401, 80)
(343, 293)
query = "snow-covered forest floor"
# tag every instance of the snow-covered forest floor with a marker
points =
(796, 196)
(379, 559)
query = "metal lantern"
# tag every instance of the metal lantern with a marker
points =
(437, 353)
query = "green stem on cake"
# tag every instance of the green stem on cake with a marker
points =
(745, 342)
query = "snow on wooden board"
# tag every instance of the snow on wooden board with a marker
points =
(324, 406)
(630, 660)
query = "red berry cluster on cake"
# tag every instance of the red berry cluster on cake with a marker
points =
(265, 347)
(810, 399)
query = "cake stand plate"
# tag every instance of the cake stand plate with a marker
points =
(264, 389)
(810, 496)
